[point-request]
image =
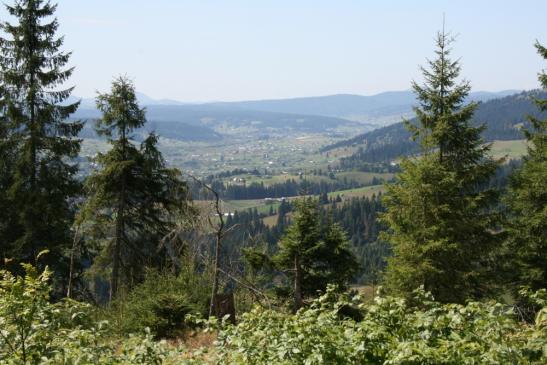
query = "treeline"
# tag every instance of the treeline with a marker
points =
(357, 217)
(235, 172)
(289, 188)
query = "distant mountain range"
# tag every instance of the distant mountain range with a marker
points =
(211, 122)
(374, 109)
(187, 121)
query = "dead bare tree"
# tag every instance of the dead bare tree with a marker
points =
(173, 242)
(219, 234)
(190, 234)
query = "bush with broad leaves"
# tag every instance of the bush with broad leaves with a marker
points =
(388, 331)
(35, 331)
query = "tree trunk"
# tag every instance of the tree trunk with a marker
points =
(33, 153)
(216, 264)
(117, 249)
(71, 266)
(218, 243)
(224, 305)
(214, 290)
(120, 228)
(297, 284)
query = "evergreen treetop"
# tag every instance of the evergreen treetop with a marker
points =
(444, 117)
(121, 113)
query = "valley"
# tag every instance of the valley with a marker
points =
(270, 137)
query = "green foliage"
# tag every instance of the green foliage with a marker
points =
(390, 332)
(26, 325)
(161, 303)
(37, 178)
(35, 331)
(527, 202)
(440, 224)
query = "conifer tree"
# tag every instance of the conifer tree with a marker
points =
(314, 257)
(439, 226)
(37, 142)
(527, 201)
(7, 159)
(133, 199)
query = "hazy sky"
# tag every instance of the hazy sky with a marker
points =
(204, 50)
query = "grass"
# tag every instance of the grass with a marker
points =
(363, 177)
(360, 177)
(241, 205)
(367, 191)
(270, 221)
(230, 206)
(510, 149)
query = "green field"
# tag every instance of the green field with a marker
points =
(509, 149)
(360, 177)
(367, 191)
(260, 204)
(263, 206)
(364, 178)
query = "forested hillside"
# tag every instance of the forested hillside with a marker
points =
(503, 118)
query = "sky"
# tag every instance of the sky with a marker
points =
(212, 50)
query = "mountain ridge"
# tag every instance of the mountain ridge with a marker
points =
(372, 111)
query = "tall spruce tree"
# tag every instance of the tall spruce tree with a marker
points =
(314, 256)
(527, 201)
(36, 140)
(439, 224)
(6, 175)
(134, 200)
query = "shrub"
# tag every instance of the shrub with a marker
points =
(389, 331)
(35, 331)
(160, 303)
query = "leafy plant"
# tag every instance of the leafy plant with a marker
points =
(35, 331)
(390, 331)
(27, 322)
